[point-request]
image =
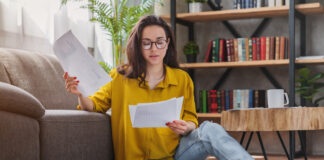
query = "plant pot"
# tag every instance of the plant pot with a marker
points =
(191, 58)
(195, 7)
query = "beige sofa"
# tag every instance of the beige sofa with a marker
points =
(38, 118)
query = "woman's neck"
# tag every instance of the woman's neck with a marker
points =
(154, 72)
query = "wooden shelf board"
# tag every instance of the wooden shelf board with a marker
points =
(209, 115)
(308, 8)
(263, 63)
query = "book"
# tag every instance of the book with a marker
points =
(238, 99)
(204, 101)
(219, 101)
(277, 49)
(208, 55)
(228, 49)
(247, 49)
(227, 99)
(279, 3)
(262, 98)
(250, 50)
(232, 50)
(234, 99)
(272, 48)
(223, 101)
(267, 48)
(282, 47)
(243, 56)
(258, 45)
(256, 99)
(212, 101)
(271, 3)
(254, 49)
(222, 51)
(240, 49)
(235, 58)
(231, 99)
(263, 48)
(251, 98)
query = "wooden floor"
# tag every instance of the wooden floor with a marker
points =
(279, 158)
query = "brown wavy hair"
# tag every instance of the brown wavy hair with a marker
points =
(136, 65)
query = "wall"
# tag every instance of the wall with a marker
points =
(252, 78)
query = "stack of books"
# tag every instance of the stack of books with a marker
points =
(216, 101)
(247, 49)
(243, 4)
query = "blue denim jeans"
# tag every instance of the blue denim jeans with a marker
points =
(210, 139)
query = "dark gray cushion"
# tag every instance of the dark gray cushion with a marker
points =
(19, 137)
(74, 134)
(16, 100)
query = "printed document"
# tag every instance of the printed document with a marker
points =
(156, 114)
(76, 60)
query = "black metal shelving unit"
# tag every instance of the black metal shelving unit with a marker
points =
(292, 15)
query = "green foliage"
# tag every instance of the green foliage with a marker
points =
(105, 66)
(117, 19)
(307, 85)
(191, 48)
(192, 1)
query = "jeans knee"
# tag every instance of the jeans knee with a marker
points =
(213, 129)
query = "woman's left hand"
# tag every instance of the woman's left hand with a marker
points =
(181, 127)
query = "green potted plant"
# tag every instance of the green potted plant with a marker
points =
(195, 5)
(191, 49)
(118, 19)
(307, 86)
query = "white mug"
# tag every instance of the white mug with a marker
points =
(276, 98)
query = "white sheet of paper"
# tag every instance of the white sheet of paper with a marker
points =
(155, 114)
(76, 60)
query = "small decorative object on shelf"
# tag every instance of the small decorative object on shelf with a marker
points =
(195, 6)
(307, 86)
(191, 49)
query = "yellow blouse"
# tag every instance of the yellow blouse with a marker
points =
(144, 143)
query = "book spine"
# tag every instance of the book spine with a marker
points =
(250, 50)
(282, 47)
(247, 49)
(204, 101)
(227, 100)
(267, 48)
(228, 49)
(239, 4)
(207, 55)
(232, 50)
(221, 50)
(231, 99)
(223, 100)
(234, 99)
(219, 101)
(213, 51)
(250, 98)
(243, 49)
(256, 99)
(287, 2)
(271, 3)
(235, 4)
(278, 3)
(239, 41)
(254, 49)
(286, 48)
(262, 98)
(217, 50)
(258, 44)
(272, 48)
(258, 4)
(277, 49)
(235, 58)
(247, 3)
(239, 98)
(263, 48)
(250, 3)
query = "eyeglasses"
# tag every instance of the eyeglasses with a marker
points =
(160, 44)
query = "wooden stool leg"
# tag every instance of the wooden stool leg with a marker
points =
(283, 145)
(248, 142)
(302, 138)
(242, 138)
(262, 147)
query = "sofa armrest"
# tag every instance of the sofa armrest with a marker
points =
(17, 100)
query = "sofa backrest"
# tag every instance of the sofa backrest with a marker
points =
(38, 74)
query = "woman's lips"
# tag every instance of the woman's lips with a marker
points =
(153, 57)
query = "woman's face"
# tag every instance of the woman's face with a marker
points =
(154, 45)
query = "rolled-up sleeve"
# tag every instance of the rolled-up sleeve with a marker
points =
(189, 113)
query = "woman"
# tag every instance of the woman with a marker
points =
(152, 75)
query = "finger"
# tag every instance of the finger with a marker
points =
(65, 75)
(174, 125)
(70, 84)
(181, 122)
(179, 131)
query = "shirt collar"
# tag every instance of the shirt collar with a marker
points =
(169, 79)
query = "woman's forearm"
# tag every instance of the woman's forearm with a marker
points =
(85, 103)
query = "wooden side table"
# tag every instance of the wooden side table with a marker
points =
(273, 119)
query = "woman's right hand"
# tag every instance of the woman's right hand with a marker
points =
(71, 84)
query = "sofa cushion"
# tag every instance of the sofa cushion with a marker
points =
(38, 74)
(19, 137)
(73, 134)
(16, 100)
